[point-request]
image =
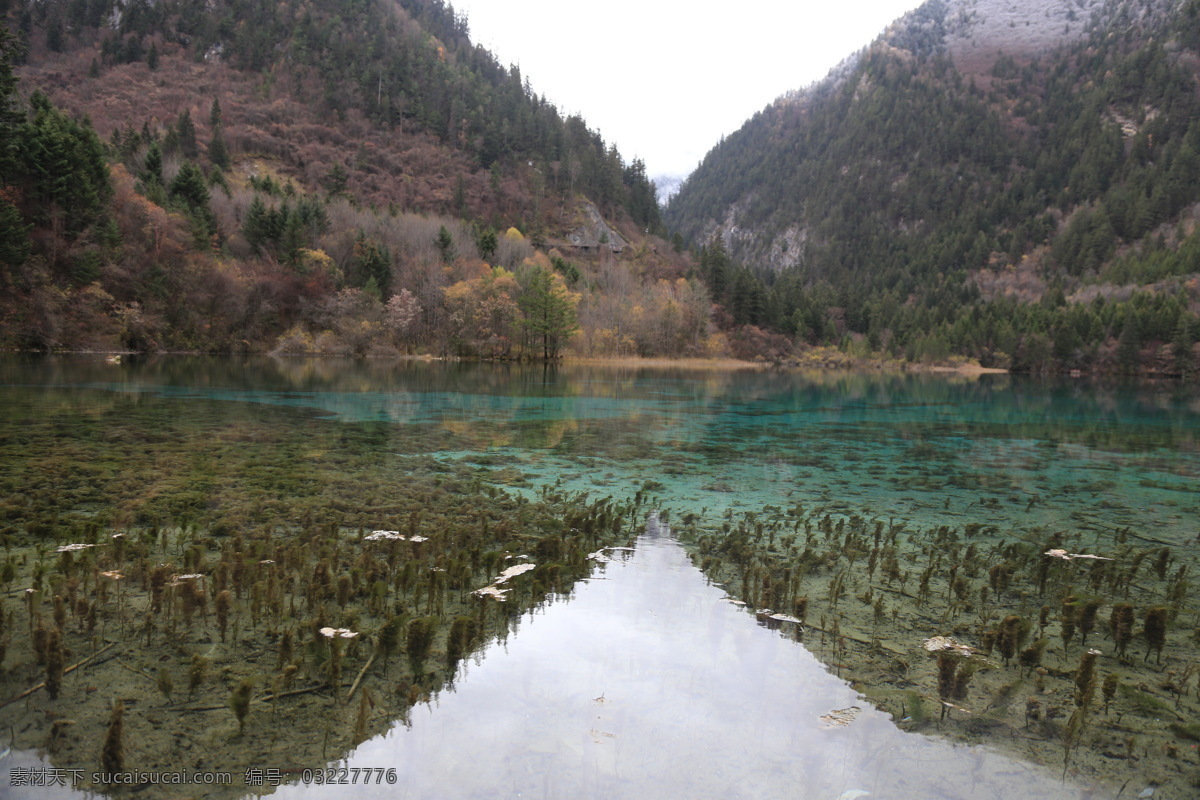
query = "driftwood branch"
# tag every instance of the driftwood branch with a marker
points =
(256, 700)
(852, 638)
(66, 671)
(137, 671)
(361, 672)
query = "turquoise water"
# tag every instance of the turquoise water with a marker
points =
(1016, 452)
(227, 442)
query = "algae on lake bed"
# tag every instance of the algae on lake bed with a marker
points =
(1072, 649)
(232, 601)
(319, 454)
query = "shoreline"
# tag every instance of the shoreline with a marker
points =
(738, 365)
(815, 360)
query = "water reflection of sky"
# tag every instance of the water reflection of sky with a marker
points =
(646, 684)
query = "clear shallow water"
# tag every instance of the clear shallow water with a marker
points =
(646, 684)
(1020, 454)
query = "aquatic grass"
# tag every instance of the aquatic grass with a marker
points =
(298, 489)
(1019, 578)
(263, 547)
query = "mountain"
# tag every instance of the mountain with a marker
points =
(667, 186)
(313, 175)
(1002, 180)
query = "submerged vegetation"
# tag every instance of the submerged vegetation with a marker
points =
(242, 563)
(918, 618)
(271, 562)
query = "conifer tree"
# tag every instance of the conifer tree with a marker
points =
(217, 153)
(14, 236)
(11, 115)
(256, 226)
(549, 311)
(189, 188)
(185, 129)
(1181, 347)
(63, 165)
(374, 263)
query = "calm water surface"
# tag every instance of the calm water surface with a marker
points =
(645, 683)
(1021, 452)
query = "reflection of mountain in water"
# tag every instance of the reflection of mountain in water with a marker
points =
(644, 685)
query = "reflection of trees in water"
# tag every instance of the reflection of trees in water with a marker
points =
(995, 438)
(1093, 413)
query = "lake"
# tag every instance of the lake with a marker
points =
(645, 680)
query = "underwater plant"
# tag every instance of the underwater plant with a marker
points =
(1011, 635)
(196, 672)
(112, 755)
(800, 608)
(1121, 625)
(1111, 681)
(224, 601)
(1085, 678)
(1087, 618)
(165, 683)
(458, 643)
(239, 702)
(956, 664)
(365, 704)
(55, 662)
(1085, 687)
(946, 666)
(419, 641)
(1031, 656)
(1156, 630)
(1070, 615)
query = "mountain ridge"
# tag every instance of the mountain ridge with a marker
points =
(299, 168)
(873, 206)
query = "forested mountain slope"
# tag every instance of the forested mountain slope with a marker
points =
(1012, 182)
(329, 175)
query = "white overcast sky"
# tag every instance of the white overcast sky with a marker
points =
(666, 79)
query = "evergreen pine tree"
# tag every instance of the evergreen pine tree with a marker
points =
(152, 165)
(1181, 347)
(486, 241)
(55, 38)
(374, 265)
(217, 153)
(14, 236)
(549, 311)
(185, 129)
(1129, 345)
(64, 166)
(189, 188)
(11, 115)
(336, 180)
(445, 244)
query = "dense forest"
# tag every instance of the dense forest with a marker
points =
(1038, 216)
(325, 177)
(358, 177)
